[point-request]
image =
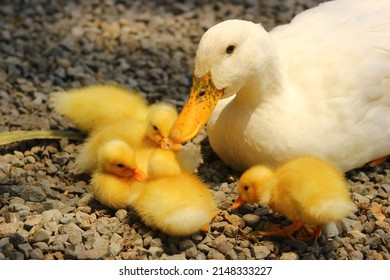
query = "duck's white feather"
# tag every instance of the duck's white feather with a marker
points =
(332, 64)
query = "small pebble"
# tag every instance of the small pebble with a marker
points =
(289, 256)
(215, 255)
(260, 252)
(41, 236)
(251, 220)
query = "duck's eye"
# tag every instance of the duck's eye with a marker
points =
(201, 92)
(120, 165)
(246, 188)
(230, 49)
(155, 127)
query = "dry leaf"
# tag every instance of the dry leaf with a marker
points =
(7, 137)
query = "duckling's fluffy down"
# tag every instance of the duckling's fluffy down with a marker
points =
(177, 205)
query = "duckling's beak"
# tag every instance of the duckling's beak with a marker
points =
(167, 144)
(139, 175)
(238, 203)
(203, 98)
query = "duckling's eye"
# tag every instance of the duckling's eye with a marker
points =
(155, 127)
(120, 165)
(230, 49)
(246, 188)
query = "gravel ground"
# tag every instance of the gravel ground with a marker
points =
(47, 210)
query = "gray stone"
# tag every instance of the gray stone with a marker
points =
(86, 199)
(42, 246)
(116, 244)
(52, 215)
(101, 242)
(81, 216)
(260, 252)
(356, 237)
(186, 244)
(230, 231)
(41, 236)
(17, 238)
(4, 242)
(66, 220)
(23, 210)
(251, 220)
(215, 255)
(356, 255)
(176, 257)
(223, 245)
(6, 229)
(155, 252)
(156, 242)
(16, 256)
(93, 254)
(231, 255)
(72, 251)
(289, 256)
(200, 256)
(203, 248)
(8, 249)
(362, 201)
(36, 254)
(33, 194)
(60, 238)
(103, 229)
(74, 236)
(32, 220)
(26, 249)
(121, 214)
(330, 230)
(297, 244)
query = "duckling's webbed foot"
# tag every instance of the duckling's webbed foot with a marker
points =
(285, 231)
(310, 234)
(206, 227)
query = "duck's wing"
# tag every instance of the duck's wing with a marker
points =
(338, 57)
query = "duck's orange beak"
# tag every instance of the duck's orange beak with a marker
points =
(203, 98)
(238, 203)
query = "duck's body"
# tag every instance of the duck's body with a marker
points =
(306, 190)
(319, 85)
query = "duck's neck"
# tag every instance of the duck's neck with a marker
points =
(267, 83)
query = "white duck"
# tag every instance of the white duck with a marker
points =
(319, 85)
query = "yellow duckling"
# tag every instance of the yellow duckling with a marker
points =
(177, 204)
(92, 107)
(117, 170)
(160, 119)
(307, 190)
(130, 131)
(139, 134)
(166, 162)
